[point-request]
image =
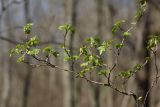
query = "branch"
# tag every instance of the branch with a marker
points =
(155, 64)
(5, 8)
(47, 63)
(9, 40)
(150, 89)
(155, 81)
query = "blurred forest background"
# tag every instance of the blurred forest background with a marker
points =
(24, 86)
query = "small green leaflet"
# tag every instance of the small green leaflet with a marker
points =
(126, 34)
(119, 46)
(27, 28)
(94, 41)
(104, 72)
(104, 46)
(33, 52)
(34, 41)
(126, 74)
(21, 58)
(50, 51)
(67, 27)
(117, 26)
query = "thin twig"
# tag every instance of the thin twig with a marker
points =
(85, 78)
(153, 84)
(155, 79)
(116, 61)
(155, 64)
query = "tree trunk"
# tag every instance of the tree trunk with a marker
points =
(99, 33)
(28, 76)
(73, 5)
(70, 17)
(144, 77)
(5, 67)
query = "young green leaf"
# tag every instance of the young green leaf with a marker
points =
(33, 52)
(72, 58)
(21, 58)
(94, 41)
(83, 50)
(126, 34)
(153, 41)
(27, 28)
(50, 51)
(119, 46)
(104, 72)
(126, 74)
(117, 26)
(34, 41)
(148, 59)
(137, 67)
(67, 27)
(104, 46)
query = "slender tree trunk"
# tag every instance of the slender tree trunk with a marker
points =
(69, 83)
(99, 33)
(105, 14)
(6, 76)
(73, 5)
(28, 76)
(5, 68)
(144, 81)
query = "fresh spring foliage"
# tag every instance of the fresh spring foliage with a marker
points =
(67, 27)
(117, 26)
(153, 42)
(88, 56)
(30, 47)
(50, 51)
(128, 73)
(27, 28)
(141, 10)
